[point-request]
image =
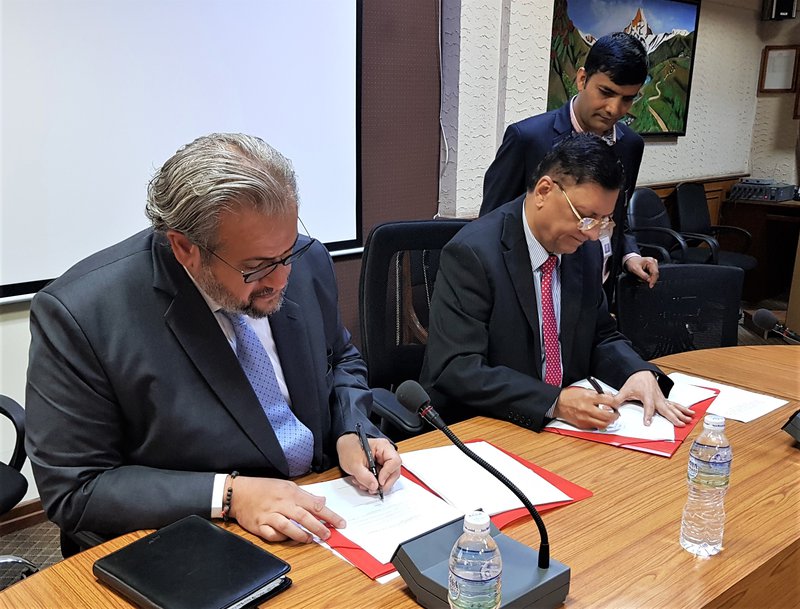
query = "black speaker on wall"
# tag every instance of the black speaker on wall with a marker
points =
(773, 10)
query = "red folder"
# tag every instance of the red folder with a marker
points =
(662, 448)
(372, 568)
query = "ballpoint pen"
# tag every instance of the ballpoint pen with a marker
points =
(370, 459)
(596, 386)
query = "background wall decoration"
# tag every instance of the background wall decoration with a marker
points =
(668, 30)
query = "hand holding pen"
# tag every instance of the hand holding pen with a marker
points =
(362, 436)
(605, 407)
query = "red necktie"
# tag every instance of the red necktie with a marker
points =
(552, 348)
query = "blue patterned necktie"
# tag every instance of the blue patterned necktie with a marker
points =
(295, 439)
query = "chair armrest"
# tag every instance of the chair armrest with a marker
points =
(712, 243)
(656, 251)
(386, 406)
(745, 234)
(11, 409)
(679, 240)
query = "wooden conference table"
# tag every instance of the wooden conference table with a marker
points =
(621, 544)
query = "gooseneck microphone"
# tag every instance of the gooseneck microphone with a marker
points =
(413, 397)
(766, 320)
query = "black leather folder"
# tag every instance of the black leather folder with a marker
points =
(193, 564)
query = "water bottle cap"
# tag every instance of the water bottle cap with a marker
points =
(476, 522)
(714, 421)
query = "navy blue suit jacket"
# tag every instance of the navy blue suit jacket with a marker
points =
(484, 354)
(135, 398)
(527, 142)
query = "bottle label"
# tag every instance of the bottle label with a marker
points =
(708, 473)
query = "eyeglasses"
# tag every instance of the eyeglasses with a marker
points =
(263, 271)
(606, 224)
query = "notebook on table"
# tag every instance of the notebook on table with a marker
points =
(193, 564)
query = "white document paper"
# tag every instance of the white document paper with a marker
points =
(732, 402)
(467, 486)
(379, 526)
(630, 423)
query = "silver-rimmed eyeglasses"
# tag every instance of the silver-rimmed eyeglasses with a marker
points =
(605, 224)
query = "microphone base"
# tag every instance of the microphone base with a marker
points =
(423, 564)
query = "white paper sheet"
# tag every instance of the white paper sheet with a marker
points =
(732, 402)
(630, 422)
(467, 486)
(379, 526)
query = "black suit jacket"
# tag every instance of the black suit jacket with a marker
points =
(135, 398)
(524, 146)
(484, 354)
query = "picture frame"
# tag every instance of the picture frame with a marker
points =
(778, 72)
(668, 29)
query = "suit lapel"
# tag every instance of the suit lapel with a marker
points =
(518, 264)
(562, 124)
(197, 330)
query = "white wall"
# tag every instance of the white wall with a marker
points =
(499, 75)
(775, 151)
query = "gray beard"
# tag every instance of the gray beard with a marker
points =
(229, 303)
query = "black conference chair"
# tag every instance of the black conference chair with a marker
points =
(649, 222)
(13, 484)
(398, 271)
(693, 306)
(694, 223)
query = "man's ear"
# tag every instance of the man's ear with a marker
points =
(185, 252)
(542, 189)
(580, 79)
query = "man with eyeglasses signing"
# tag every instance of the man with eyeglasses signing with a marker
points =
(519, 312)
(197, 366)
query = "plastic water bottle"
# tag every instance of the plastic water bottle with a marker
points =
(708, 475)
(475, 566)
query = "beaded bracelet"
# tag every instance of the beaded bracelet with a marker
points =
(226, 505)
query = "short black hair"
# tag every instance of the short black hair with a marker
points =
(621, 56)
(584, 157)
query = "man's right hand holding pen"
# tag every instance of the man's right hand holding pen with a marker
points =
(586, 408)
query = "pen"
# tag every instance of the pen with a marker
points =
(596, 386)
(370, 459)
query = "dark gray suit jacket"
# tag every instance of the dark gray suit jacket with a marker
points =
(135, 398)
(484, 354)
(524, 146)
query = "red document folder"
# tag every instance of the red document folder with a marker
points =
(372, 568)
(661, 448)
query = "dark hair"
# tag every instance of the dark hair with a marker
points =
(622, 57)
(584, 157)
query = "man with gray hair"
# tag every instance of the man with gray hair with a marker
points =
(184, 371)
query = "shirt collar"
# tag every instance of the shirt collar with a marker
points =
(609, 136)
(536, 251)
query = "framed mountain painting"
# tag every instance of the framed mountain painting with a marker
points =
(668, 29)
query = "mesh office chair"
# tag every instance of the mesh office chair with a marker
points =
(693, 306)
(13, 484)
(694, 222)
(649, 222)
(398, 270)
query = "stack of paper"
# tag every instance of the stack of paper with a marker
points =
(375, 528)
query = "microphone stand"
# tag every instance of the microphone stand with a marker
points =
(422, 562)
(432, 417)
